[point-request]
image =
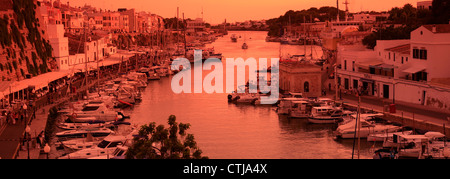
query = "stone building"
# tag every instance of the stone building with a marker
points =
(301, 77)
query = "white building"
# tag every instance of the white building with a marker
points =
(370, 17)
(59, 44)
(424, 5)
(414, 71)
(194, 26)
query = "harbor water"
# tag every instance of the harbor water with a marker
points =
(228, 131)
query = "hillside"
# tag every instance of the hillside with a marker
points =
(23, 50)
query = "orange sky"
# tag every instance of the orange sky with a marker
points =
(215, 11)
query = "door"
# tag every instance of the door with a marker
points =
(346, 83)
(386, 91)
(424, 94)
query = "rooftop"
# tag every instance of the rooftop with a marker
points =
(403, 49)
(440, 28)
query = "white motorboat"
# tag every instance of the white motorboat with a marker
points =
(74, 126)
(81, 143)
(97, 112)
(119, 153)
(368, 126)
(286, 104)
(136, 76)
(327, 115)
(81, 133)
(105, 147)
(299, 109)
(246, 98)
(381, 137)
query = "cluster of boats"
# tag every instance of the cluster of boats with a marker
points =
(398, 142)
(90, 126)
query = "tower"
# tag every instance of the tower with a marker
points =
(346, 9)
(337, 6)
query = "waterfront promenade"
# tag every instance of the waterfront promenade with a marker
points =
(11, 134)
(411, 115)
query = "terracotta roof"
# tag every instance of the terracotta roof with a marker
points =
(403, 49)
(440, 28)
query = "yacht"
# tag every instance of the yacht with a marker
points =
(286, 102)
(299, 109)
(106, 147)
(81, 143)
(97, 112)
(368, 126)
(119, 153)
(74, 126)
(381, 137)
(81, 133)
(326, 115)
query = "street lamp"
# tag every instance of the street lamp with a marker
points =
(47, 149)
(25, 107)
(27, 137)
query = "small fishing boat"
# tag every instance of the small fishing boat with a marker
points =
(233, 37)
(244, 46)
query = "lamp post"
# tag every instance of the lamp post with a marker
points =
(25, 107)
(47, 149)
(27, 137)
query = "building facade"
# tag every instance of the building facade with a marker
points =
(301, 77)
(413, 70)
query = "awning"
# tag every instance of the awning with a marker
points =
(366, 80)
(414, 69)
(383, 66)
(367, 64)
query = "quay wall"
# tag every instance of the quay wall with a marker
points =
(415, 123)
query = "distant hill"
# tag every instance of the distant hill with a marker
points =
(297, 17)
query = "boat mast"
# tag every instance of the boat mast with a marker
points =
(85, 54)
(185, 27)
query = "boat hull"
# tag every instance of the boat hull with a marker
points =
(325, 120)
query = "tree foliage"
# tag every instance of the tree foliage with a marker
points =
(158, 142)
(296, 17)
(410, 18)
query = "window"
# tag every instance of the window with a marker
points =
(353, 65)
(402, 60)
(415, 53)
(394, 57)
(423, 54)
(345, 64)
(389, 55)
(306, 87)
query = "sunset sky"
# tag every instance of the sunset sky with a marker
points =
(215, 11)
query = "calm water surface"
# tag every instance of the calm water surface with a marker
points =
(230, 131)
